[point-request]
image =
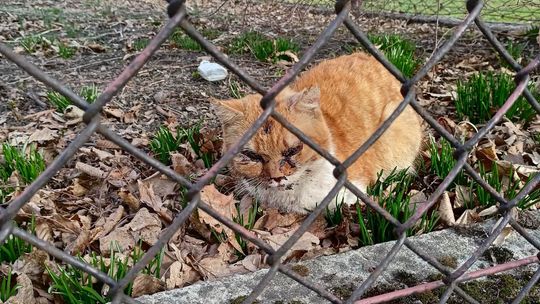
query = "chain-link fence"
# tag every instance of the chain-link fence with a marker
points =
(493, 11)
(178, 18)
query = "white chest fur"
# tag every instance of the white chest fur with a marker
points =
(307, 189)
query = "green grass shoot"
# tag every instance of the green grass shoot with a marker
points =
(140, 43)
(76, 286)
(60, 102)
(398, 50)
(14, 247)
(515, 49)
(334, 216)
(182, 41)
(479, 97)
(89, 93)
(507, 186)
(249, 223)
(392, 193)
(442, 160)
(65, 51)
(8, 288)
(262, 47)
(165, 142)
(28, 164)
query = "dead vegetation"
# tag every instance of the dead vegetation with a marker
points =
(108, 206)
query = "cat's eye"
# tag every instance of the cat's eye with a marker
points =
(293, 151)
(252, 156)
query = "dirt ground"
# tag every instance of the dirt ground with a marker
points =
(167, 91)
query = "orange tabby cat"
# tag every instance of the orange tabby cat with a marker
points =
(339, 103)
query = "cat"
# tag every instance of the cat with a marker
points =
(338, 103)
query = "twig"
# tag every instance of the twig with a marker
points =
(30, 94)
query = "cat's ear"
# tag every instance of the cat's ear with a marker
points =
(308, 100)
(228, 110)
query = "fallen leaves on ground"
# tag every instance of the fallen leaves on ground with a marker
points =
(105, 196)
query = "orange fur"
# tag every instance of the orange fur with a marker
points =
(339, 103)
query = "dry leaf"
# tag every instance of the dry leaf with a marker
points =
(106, 144)
(147, 225)
(463, 196)
(146, 191)
(252, 262)
(464, 131)
(129, 199)
(487, 153)
(276, 219)
(77, 189)
(102, 155)
(446, 211)
(81, 242)
(114, 112)
(146, 284)
(181, 164)
(120, 236)
(90, 170)
(112, 220)
(213, 267)
(223, 204)
(306, 242)
(43, 135)
(43, 230)
(161, 184)
(507, 230)
(489, 211)
(468, 217)
(25, 293)
(181, 274)
(96, 47)
(246, 204)
(447, 123)
(129, 118)
(32, 264)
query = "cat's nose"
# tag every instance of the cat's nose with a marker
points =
(279, 178)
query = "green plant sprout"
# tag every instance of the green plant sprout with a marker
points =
(479, 97)
(7, 287)
(392, 193)
(263, 48)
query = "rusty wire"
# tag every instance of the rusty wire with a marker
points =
(178, 18)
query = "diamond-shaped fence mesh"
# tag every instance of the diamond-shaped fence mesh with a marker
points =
(178, 18)
(493, 11)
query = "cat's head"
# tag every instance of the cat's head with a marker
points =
(274, 157)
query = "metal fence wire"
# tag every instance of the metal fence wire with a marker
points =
(523, 11)
(178, 18)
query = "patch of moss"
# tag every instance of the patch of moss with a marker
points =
(448, 261)
(498, 255)
(343, 291)
(529, 219)
(432, 296)
(301, 270)
(241, 299)
(501, 289)
(472, 231)
(491, 290)
(210, 33)
(435, 277)
(405, 277)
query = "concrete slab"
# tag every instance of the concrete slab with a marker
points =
(340, 273)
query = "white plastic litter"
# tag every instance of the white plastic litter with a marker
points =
(211, 71)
